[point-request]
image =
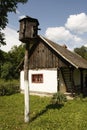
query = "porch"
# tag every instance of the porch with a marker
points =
(74, 79)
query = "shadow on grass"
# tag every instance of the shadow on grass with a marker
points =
(50, 106)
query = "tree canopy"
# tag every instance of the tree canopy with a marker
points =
(9, 62)
(82, 51)
(7, 6)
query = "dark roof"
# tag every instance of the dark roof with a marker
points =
(74, 59)
(29, 19)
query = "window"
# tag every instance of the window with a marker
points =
(37, 78)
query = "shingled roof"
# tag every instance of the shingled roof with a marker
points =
(74, 59)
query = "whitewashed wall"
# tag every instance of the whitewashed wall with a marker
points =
(49, 84)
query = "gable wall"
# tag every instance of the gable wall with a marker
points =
(44, 57)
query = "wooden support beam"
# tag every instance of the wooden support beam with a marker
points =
(81, 80)
(58, 87)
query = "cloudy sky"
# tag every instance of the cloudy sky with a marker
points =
(62, 21)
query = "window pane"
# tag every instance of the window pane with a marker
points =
(37, 78)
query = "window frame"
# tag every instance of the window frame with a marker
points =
(37, 78)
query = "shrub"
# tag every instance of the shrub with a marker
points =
(79, 96)
(8, 87)
(59, 98)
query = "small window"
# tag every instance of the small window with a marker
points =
(37, 78)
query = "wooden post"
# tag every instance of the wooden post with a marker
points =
(28, 30)
(71, 80)
(58, 87)
(81, 80)
(26, 84)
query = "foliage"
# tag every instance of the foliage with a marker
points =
(59, 98)
(6, 71)
(8, 87)
(16, 54)
(2, 38)
(81, 51)
(7, 6)
(73, 115)
(3, 57)
(79, 96)
(10, 61)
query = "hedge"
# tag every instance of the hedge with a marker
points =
(9, 87)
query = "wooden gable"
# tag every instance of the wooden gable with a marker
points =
(44, 53)
(43, 56)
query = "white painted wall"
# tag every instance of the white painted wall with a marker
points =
(49, 84)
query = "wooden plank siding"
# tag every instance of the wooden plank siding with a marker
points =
(44, 57)
(45, 54)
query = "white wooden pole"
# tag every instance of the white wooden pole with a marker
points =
(26, 84)
(26, 118)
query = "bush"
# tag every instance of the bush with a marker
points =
(8, 87)
(59, 98)
(79, 96)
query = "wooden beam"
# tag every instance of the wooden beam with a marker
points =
(58, 87)
(81, 80)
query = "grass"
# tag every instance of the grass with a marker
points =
(43, 115)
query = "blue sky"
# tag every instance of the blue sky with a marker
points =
(63, 21)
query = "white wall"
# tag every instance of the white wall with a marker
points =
(49, 84)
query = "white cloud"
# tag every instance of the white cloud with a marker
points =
(11, 38)
(70, 33)
(22, 16)
(77, 39)
(58, 33)
(17, 11)
(85, 45)
(61, 34)
(77, 23)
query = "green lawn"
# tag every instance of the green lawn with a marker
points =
(43, 115)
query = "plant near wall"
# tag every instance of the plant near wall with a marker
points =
(59, 98)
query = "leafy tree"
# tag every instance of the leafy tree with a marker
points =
(82, 51)
(15, 56)
(16, 53)
(3, 58)
(6, 71)
(7, 6)
(10, 61)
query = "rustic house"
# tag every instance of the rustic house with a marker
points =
(53, 68)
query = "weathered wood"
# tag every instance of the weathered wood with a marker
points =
(28, 29)
(81, 80)
(44, 57)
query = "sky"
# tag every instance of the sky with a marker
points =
(62, 21)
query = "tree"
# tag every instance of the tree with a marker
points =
(6, 71)
(7, 6)
(3, 59)
(10, 61)
(15, 56)
(82, 51)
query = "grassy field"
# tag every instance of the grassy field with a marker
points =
(43, 115)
